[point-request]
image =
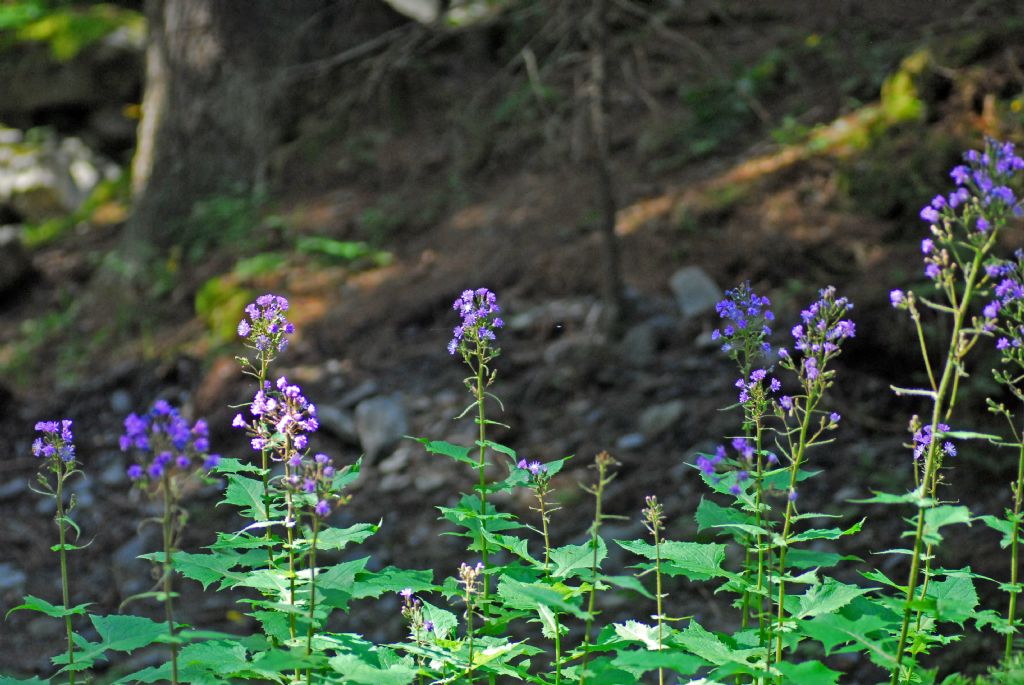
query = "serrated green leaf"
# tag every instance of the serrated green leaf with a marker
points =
(809, 558)
(391, 579)
(914, 498)
(355, 670)
(711, 515)
(519, 595)
(627, 583)
(122, 634)
(955, 598)
(832, 630)
(808, 673)
(32, 603)
(710, 647)
(577, 560)
(549, 625)
(826, 533)
(943, 515)
(999, 525)
(634, 631)
(447, 449)
(221, 656)
(340, 538)
(7, 680)
(445, 622)
(341, 576)
(827, 597)
(695, 560)
(207, 568)
(231, 465)
(247, 494)
(638, 662)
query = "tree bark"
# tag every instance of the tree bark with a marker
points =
(211, 107)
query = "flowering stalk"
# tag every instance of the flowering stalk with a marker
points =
(970, 218)
(265, 329)
(818, 339)
(168, 449)
(312, 595)
(603, 462)
(540, 483)
(56, 446)
(654, 521)
(469, 577)
(474, 340)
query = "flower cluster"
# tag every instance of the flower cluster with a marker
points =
(412, 611)
(56, 441)
(283, 417)
(265, 326)
(315, 478)
(537, 471)
(469, 576)
(746, 322)
(923, 440)
(746, 452)
(981, 203)
(479, 311)
(755, 390)
(165, 442)
(820, 335)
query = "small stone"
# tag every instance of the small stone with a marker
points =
(12, 579)
(397, 461)
(121, 402)
(429, 481)
(380, 423)
(338, 422)
(394, 482)
(658, 418)
(630, 441)
(12, 488)
(114, 473)
(695, 291)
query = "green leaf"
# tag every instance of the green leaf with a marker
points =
(354, 670)
(808, 673)
(577, 560)
(340, 538)
(969, 435)
(999, 525)
(221, 657)
(832, 630)
(7, 680)
(634, 631)
(826, 533)
(809, 558)
(550, 627)
(447, 449)
(944, 515)
(914, 498)
(32, 603)
(391, 579)
(341, 576)
(695, 560)
(627, 583)
(246, 493)
(710, 647)
(519, 595)
(640, 662)
(122, 634)
(711, 515)
(955, 598)
(827, 597)
(231, 465)
(206, 568)
(445, 622)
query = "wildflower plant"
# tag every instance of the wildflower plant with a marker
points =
(514, 614)
(55, 446)
(168, 450)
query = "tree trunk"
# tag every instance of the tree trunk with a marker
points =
(210, 108)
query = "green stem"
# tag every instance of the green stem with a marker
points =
(787, 525)
(598, 491)
(312, 595)
(168, 526)
(481, 468)
(1011, 613)
(544, 528)
(265, 465)
(932, 459)
(657, 582)
(64, 570)
(469, 628)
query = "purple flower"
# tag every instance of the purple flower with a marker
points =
(56, 441)
(134, 472)
(834, 417)
(897, 298)
(266, 327)
(322, 508)
(479, 311)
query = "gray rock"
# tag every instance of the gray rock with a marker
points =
(659, 417)
(131, 574)
(12, 579)
(12, 488)
(395, 482)
(397, 461)
(14, 261)
(338, 422)
(429, 481)
(121, 401)
(695, 291)
(630, 441)
(380, 423)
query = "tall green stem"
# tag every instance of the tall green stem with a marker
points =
(603, 460)
(798, 457)
(657, 584)
(928, 481)
(168, 526)
(64, 570)
(312, 595)
(481, 468)
(1011, 612)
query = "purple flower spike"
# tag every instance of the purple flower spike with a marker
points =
(479, 311)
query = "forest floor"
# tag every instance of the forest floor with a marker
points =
(814, 181)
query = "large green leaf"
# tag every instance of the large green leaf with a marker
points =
(340, 538)
(447, 449)
(634, 631)
(955, 597)
(577, 560)
(827, 597)
(711, 515)
(247, 494)
(519, 595)
(638, 662)
(695, 560)
(710, 647)
(944, 515)
(808, 673)
(207, 568)
(32, 603)
(835, 629)
(358, 672)
(391, 579)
